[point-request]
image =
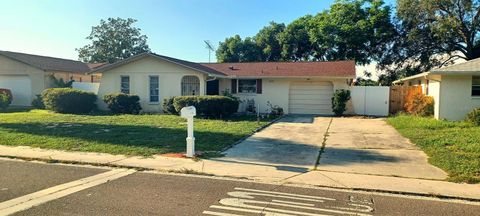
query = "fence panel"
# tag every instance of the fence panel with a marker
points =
(90, 87)
(370, 100)
(398, 95)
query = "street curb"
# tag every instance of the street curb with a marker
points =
(234, 178)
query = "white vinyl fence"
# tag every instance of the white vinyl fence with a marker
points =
(90, 87)
(370, 100)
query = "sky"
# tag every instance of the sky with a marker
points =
(175, 28)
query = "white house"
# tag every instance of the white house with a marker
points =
(297, 87)
(27, 75)
(455, 88)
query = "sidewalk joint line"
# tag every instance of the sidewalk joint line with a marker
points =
(324, 143)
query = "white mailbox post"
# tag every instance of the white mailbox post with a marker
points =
(188, 113)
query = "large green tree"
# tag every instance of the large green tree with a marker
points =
(295, 40)
(350, 29)
(114, 39)
(433, 33)
(234, 49)
(268, 40)
(358, 30)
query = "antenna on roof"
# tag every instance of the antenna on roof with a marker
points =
(210, 48)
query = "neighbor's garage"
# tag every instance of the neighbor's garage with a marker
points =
(21, 88)
(310, 98)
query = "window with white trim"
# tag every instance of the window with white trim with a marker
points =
(154, 92)
(476, 86)
(247, 86)
(125, 84)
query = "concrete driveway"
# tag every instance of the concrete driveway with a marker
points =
(371, 146)
(291, 144)
(352, 145)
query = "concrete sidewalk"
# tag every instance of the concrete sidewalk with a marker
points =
(258, 172)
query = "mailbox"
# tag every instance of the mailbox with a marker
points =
(188, 113)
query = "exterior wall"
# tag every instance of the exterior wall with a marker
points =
(276, 91)
(169, 75)
(13, 67)
(456, 98)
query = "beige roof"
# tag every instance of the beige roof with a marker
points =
(471, 66)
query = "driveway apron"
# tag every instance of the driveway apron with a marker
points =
(371, 146)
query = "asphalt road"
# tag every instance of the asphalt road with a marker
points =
(144, 193)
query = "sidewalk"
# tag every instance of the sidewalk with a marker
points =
(258, 172)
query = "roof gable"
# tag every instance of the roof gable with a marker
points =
(48, 63)
(187, 64)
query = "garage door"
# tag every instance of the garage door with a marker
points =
(21, 88)
(310, 98)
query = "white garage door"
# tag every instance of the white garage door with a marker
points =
(310, 98)
(21, 88)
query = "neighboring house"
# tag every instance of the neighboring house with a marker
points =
(455, 88)
(27, 75)
(297, 87)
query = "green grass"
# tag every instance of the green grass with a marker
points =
(119, 134)
(451, 146)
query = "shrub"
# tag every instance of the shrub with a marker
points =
(416, 103)
(339, 101)
(8, 93)
(216, 106)
(123, 103)
(4, 103)
(474, 116)
(274, 110)
(168, 106)
(67, 100)
(38, 102)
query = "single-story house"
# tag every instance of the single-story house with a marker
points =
(27, 75)
(455, 88)
(297, 87)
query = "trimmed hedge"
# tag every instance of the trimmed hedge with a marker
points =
(68, 100)
(168, 106)
(123, 103)
(216, 106)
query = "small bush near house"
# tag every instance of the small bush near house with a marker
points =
(168, 106)
(474, 117)
(274, 110)
(216, 106)
(8, 93)
(4, 101)
(339, 101)
(68, 100)
(123, 103)
(38, 102)
(419, 104)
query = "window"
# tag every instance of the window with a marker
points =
(247, 86)
(190, 85)
(154, 96)
(125, 84)
(476, 86)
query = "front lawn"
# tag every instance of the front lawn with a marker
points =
(121, 134)
(451, 146)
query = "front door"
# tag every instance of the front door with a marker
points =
(213, 87)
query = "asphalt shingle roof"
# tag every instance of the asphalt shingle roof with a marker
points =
(48, 63)
(286, 69)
